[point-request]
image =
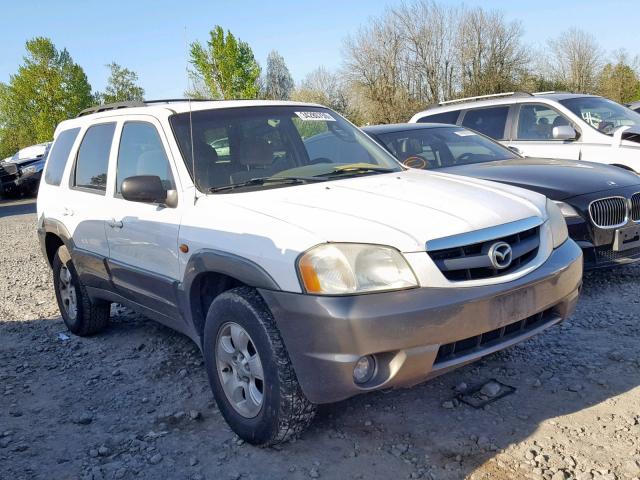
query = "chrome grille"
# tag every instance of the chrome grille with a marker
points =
(471, 262)
(635, 207)
(609, 212)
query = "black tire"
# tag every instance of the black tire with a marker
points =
(91, 316)
(285, 411)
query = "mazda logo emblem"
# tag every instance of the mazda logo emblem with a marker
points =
(500, 255)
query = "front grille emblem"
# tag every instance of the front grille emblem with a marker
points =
(500, 255)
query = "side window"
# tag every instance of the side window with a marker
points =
(536, 122)
(445, 117)
(58, 156)
(141, 153)
(490, 121)
(93, 157)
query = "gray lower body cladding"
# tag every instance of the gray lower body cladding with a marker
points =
(408, 332)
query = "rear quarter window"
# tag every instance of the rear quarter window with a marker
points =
(58, 156)
(444, 117)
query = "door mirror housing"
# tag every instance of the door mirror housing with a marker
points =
(564, 132)
(148, 189)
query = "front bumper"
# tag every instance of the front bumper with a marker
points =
(20, 183)
(596, 245)
(411, 332)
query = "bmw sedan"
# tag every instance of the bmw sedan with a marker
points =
(600, 203)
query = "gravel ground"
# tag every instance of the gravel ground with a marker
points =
(134, 401)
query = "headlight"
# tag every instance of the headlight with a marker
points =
(28, 170)
(567, 210)
(557, 223)
(348, 268)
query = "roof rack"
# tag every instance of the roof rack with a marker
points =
(485, 97)
(136, 103)
(549, 92)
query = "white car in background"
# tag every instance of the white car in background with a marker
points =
(549, 125)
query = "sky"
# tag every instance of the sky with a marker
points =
(151, 37)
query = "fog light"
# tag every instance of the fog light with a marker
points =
(364, 369)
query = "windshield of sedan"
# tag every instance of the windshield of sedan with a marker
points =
(602, 114)
(264, 147)
(439, 147)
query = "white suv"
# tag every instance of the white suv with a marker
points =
(305, 262)
(549, 125)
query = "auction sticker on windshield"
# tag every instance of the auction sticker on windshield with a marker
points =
(316, 116)
(464, 133)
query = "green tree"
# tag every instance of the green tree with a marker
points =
(619, 80)
(121, 86)
(226, 66)
(48, 88)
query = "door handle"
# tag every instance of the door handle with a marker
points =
(113, 223)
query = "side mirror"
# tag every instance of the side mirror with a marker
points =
(148, 189)
(515, 150)
(564, 132)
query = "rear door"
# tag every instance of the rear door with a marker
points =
(84, 207)
(143, 237)
(491, 121)
(532, 133)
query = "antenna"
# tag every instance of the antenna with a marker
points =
(193, 155)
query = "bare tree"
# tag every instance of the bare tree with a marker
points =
(278, 82)
(489, 52)
(425, 52)
(428, 32)
(375, 66)
(326, 88)
(576, 60)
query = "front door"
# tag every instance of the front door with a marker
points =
(143, 249)
(532, 133)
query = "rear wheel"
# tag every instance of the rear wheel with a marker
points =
(81, 315)
(250, 372)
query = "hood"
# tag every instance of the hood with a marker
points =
(556, 179)
(404, 209)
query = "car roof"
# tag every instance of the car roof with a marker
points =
(400, 127)
(162, 108)
(499, 99)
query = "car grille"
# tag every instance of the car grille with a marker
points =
(471, 262)
(609, 212)
(635, 207)
(486, 340)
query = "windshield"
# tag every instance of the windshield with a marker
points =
(236, 146)
(439, 147)
(604, 115)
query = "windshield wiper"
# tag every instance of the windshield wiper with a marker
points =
(266, 180)
(355, 170)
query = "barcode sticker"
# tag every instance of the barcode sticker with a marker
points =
(316, 116)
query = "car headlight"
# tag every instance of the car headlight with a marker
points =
(348, 268)
(567, 210)
(28, 170)
(557, 223)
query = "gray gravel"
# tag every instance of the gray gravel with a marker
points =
(134, 402)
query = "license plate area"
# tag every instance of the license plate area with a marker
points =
(626, 238)
(514, 306)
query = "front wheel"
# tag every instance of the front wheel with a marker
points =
(250, 372)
